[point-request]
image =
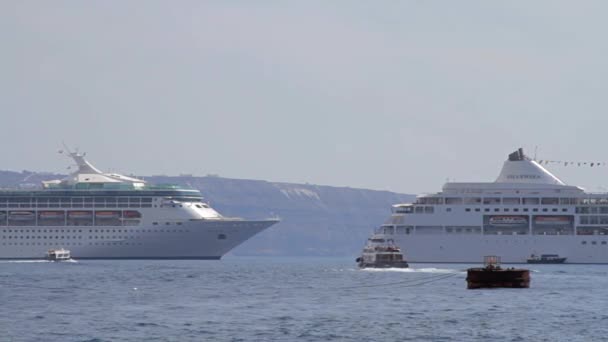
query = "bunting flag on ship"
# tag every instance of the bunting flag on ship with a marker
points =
(572, 163)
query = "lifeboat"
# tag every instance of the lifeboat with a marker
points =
(552, 220)
(21, 215)
(51, 215)
(107, 214)
(80, 214)
(131, 214)
(508, 220)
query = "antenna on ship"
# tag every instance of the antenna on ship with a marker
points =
(535, 149)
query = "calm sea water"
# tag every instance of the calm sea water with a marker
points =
(307, 299)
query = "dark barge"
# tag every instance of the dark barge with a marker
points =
(494, 276)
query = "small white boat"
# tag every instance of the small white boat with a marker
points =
(381, 253)
(58, 254)
(546, 259)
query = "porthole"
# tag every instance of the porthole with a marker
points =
(584, 242)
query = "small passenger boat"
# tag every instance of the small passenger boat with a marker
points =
(546, 259)
(381, 253)
(58, 254)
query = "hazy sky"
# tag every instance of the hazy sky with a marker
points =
(394, 95)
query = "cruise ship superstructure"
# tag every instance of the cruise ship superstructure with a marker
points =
(527, 210)
(110, 216)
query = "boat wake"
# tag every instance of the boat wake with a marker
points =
(413, 270)
(34, 261)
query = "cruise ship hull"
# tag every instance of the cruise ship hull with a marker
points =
(195, 239)
(580, 249)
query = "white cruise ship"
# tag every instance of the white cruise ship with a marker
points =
(525, 211)
(100, 215)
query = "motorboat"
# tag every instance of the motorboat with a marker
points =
(381, 253)
(58, 254)
(546, 259)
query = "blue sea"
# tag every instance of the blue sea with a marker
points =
(293, 299)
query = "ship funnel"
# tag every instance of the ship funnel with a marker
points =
(518, 168)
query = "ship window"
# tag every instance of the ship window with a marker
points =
(564, 209)
(510, 200)
(486, 209)
(428, 210)
(554, 209)
(448, 209)
(155, 223)
(530, 200)
(472, 200)
(467, 209)
(525, 209)
(419, 210)
(453, 200)
(535, 209)
(545, 209)
(477, 209)
(496, 209)
(603, 242)
(594, 242)
(549, 200)
(491, 200)
(567, 201)
(516, 209)
(221, 236)
(505, 209)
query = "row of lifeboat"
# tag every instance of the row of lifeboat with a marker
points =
(60, 215)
